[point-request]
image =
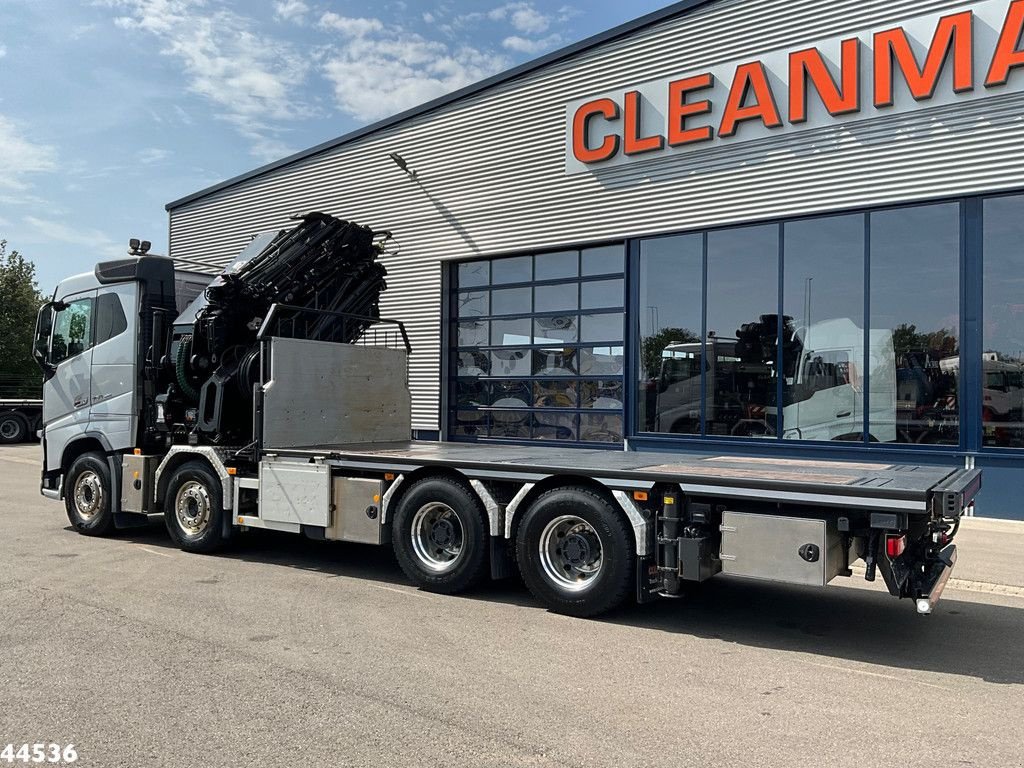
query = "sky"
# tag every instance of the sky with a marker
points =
(110, 109)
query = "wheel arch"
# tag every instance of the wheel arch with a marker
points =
(619, 501)
(406, 480)
(178, 458)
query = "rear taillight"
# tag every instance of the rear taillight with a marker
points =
(895, 544)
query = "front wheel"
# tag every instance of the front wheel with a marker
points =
(440, 536)
(87, 495)
(576, 552)
(194, 508)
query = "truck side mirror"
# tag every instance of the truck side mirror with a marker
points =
(41, 341)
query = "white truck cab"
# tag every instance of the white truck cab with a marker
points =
(91, 343)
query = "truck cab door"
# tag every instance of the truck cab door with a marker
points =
(68, 389)
(114, 375)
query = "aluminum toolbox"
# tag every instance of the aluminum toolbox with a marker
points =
(137, 482)
(794, 550)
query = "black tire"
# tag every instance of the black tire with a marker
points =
(194, 508)
(87, 495)
(584, 585)
(13, 428)
(448, 552)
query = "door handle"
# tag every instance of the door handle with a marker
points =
(844, 414)
(79, 402)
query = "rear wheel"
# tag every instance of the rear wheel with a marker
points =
(87, 495)
(576, 552)
(13, 428)
(440, 536)
(194, 509)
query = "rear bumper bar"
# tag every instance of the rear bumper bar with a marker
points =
(936, 581)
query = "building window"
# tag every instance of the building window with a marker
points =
(897, 382)
(915, 325)
(742, 331)
(671, 323)
(538, 347)
(1002, 400)
(823, 301)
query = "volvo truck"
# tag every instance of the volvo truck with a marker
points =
(279, 399)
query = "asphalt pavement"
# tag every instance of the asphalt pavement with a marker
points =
(291, 652)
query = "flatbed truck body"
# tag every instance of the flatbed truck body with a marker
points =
(309, 436)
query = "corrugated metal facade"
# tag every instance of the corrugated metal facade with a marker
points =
(492, 166)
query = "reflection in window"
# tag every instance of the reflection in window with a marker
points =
(527, 364)
(605, 327)
(601, 428)
(915, 317)
(608, 260)
(557, 266)
(671, 278)
(510, 333)
(555, 394)
(560, 328)
(512, 362)
(602, 361)
(511, 301)
(602, 395)
(110, 319)
(472, 363)
(555, 362)
(71, 331)
(1002, 396)
(742, 323)
(473, 334)
(556, 298)
(474, 273)
(823, 359)
(517, 270)
(472, 304)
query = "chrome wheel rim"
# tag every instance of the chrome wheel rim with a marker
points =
(88, 495)
(437, 537)
(571, 553)
(9, 429)
(192, 508)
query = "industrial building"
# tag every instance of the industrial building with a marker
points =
(760, 227)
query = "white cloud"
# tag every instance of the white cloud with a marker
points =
(251, 79)
(532, 46)
(3, 50)
(20, 157)
(381, 74)
(351, 27)
(523, 16)
(291, 10)
(152, 155)
(93, 241)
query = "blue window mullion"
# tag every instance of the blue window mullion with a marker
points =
(972, 308)
(704, 337)
(866, 373)
(780, 328)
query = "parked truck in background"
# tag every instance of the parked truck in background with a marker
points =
(21, 408)
(278, 399)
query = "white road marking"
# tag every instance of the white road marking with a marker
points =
(874, 674)
(154, 552)
(402, 591)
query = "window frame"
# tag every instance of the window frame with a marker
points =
(90, 332)
(969, 439)
(451, 349)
